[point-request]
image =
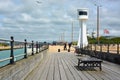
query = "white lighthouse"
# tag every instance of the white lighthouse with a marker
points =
(82, 16)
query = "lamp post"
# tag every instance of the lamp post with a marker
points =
(98, 23)
(72, 29)
(72, 33)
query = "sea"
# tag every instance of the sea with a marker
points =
(6, 54)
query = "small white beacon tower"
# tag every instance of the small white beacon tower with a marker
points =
(82, 17)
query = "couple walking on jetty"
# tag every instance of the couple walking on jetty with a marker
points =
(69, 45)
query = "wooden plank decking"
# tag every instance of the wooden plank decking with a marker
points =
(63, 66)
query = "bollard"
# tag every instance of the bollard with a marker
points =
(12, 52)
(36, 47)
(25, 49)
(108, 48)
(32, 48)
(68, 50)
(117, 48)
(58, 50)
(39, 46)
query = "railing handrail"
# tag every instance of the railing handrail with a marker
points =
(4, 40)
(107, 48)
(5, 59)
(19, 55)
(1, 60)
(14, 41)
(12, 44)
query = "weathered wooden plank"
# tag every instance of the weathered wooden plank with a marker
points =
(84, 75)
(81, 75)
(112, 66)
(62, 72)
(46, 69)
(94, 73)
(37, 70)
(115, 68)
(107, 75)
(57, 70)
(72, 69)
(51, 69)
(67, 71)
(41, 68)
(63, 66)
(89, 73)
(111, 74)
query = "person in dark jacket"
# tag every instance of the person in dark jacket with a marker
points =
(70, 45)
(65, 46)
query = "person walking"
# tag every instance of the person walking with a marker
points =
(70, 45)
(65, 46)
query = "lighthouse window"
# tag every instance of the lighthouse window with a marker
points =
(82, 13)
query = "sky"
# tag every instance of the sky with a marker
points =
(51, 20)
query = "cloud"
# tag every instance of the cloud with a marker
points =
(48, 20)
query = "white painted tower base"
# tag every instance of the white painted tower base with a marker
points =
(83, 16)
(82, 41)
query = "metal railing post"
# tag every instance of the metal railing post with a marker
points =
(36, 47)
(108, 48)
(25, 49)
(100, 47)
(101, 54)
(12, 52)
(95, 47)
(91, 47)
(32, 48)
(118, 48)
(39, 46)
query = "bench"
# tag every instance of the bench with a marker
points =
(90, 62)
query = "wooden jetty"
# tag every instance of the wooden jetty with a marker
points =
(63, 66)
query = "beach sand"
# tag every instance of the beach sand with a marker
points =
(54, 49)
(112, 48)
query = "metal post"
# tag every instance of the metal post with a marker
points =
(118, 48)
(72, 33)
(100, 47)
(95, 47)
(98, 24)
(63, 36)
(25, 49)
(108, 48)
(32, 48)
(12, 52)
(91, 47)
(39, 46)
(36, 47)
(101, 54)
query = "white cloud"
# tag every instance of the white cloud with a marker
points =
(26, 17)
(46, 21)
